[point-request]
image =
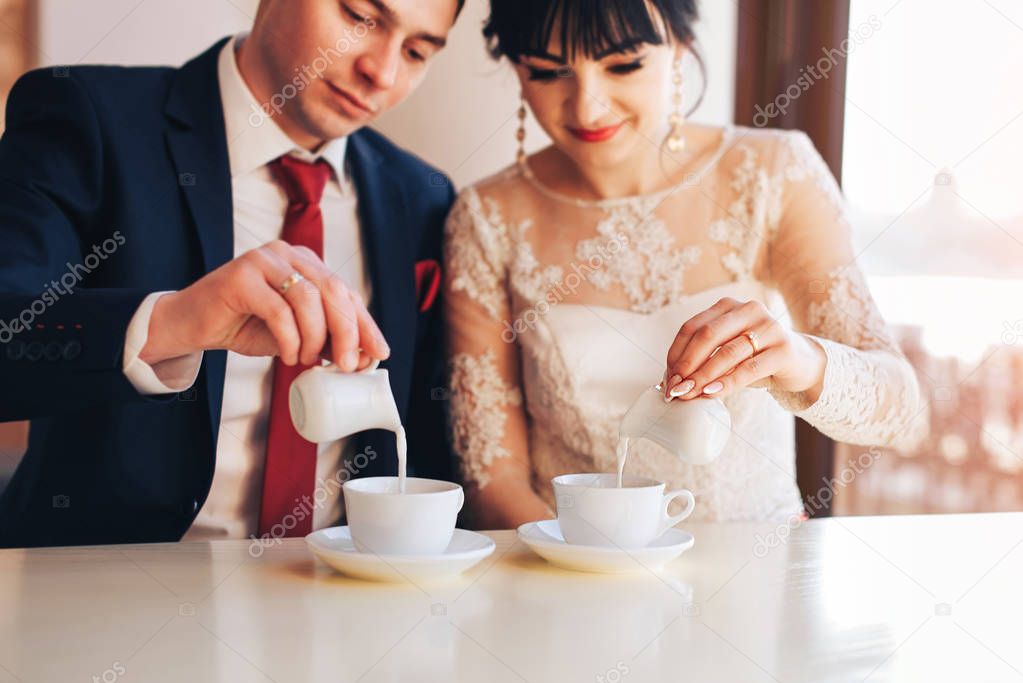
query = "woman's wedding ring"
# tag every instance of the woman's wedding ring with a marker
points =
(291, 281)
(752, 336)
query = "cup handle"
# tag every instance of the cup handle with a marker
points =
(461, 498)
(671, 520)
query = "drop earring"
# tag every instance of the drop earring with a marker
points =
(520, 134)
(676, 141)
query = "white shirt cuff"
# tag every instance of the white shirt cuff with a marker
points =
(167, 376)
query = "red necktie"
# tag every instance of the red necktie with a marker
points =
(286, 508)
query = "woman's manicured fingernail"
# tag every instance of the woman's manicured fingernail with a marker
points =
(675, 379)
(664, 380)
(713, 388)
(682, 389)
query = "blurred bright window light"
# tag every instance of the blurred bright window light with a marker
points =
(935, 86)
(931, 166)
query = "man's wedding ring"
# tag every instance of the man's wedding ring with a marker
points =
(752, 336)
(292, 280)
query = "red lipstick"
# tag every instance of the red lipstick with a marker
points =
(596, 134)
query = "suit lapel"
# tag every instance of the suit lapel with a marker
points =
(198, 147)
(387, 242)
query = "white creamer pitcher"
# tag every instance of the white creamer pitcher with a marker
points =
(327, 403)
(696, 431)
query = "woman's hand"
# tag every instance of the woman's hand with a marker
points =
(735, 344)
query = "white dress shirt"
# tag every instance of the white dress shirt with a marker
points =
(232, 507)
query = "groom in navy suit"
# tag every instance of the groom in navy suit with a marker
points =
(177, 244)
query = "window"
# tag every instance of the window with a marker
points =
(931, 170)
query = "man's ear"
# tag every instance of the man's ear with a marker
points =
(264, 6)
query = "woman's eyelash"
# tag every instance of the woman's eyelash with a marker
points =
(627, 68)
(536, 74)
(542, 74)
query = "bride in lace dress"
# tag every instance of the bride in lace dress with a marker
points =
(631, 249)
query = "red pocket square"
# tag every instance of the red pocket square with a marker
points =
(427, 283)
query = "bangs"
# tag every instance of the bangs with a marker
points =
(591, 28)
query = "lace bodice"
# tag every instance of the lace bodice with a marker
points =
(561, 311)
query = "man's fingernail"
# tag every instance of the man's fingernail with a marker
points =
(713, 388)
(352, 359)
(682, 389)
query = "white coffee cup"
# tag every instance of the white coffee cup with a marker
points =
(592, 510)
(420, 521)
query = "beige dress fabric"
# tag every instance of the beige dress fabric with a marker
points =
(561, 312)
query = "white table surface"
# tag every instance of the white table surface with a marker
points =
(848, 599)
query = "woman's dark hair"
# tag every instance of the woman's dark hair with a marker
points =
(517, 27)
(590, 27)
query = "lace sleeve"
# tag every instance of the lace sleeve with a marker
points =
(487, 420)
(870, 394)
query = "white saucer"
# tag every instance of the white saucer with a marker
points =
(335, 547)
(545, 539)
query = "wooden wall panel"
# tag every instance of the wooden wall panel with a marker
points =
(18, 37)
(776, 41)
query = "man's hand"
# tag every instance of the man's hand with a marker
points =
(240, 307)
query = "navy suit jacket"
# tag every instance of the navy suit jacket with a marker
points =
(114, 183)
